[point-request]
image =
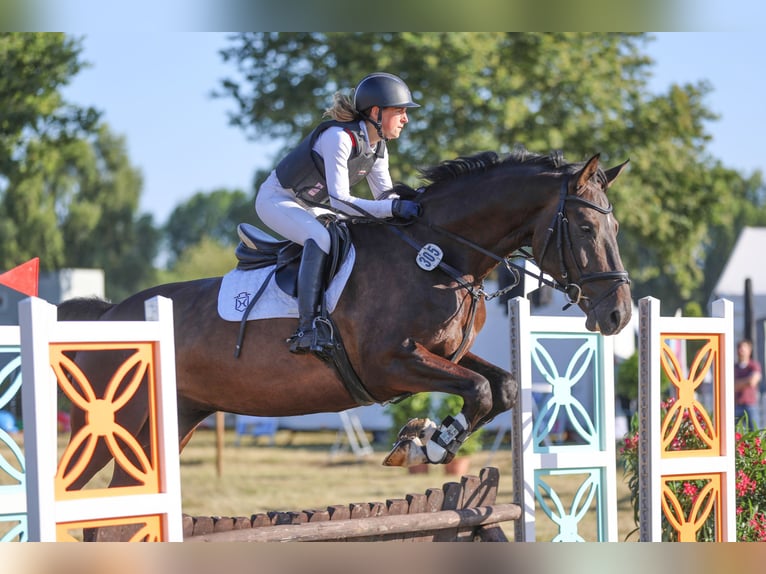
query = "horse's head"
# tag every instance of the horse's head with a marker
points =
(576, 243)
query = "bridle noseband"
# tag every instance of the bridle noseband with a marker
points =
(560, 223)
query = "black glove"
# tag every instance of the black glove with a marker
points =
(406, 209)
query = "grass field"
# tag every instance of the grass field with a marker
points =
(301, 471)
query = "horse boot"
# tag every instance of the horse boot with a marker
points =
(308, 337)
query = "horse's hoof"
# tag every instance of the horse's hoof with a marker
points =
(409, 449)
(418, 429)
(405, 453)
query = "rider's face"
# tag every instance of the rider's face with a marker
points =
(393, 121)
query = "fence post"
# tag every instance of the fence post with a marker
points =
(660, 463)
(13, 502)
(559, 353)
(47, 346)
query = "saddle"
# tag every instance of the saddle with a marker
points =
(257, 249)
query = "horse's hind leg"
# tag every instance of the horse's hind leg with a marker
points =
(101, 455)
(188, 419)
(121, 477)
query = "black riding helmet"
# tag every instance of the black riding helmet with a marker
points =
(382, 90)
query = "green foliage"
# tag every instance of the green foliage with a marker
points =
(102, 227)
(205, 258)
(680, 211)
(68, 193)
(499, 88)
(214, 215)
(751, 485)
(626, 380)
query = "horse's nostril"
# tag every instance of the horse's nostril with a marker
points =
(615, 317)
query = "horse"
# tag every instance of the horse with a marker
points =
(406, 328)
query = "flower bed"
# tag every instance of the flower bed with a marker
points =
(693, 496)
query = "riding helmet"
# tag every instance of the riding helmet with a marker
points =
(383, 90)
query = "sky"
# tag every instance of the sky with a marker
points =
(154, 90)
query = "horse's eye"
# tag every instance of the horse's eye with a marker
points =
(587, 229)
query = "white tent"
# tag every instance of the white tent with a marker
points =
(745, 263)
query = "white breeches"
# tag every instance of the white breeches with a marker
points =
(278, 209)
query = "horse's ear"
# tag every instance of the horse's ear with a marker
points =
(591, 167)
(613, 172)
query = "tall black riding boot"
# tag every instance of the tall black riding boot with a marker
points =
(308, 337)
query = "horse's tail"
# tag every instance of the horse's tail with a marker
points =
(83, 309)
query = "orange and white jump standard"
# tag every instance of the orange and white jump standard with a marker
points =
(153, 505)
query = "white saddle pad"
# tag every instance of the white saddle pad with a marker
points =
(239, 287)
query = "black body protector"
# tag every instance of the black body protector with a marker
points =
(302, 170)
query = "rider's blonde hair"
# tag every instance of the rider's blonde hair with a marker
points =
(342, 109)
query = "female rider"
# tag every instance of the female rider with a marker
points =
(337, 154)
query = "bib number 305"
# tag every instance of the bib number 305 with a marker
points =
(429, 256)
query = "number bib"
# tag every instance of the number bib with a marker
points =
(429, 256)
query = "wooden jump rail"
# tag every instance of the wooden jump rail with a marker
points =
(457, 512)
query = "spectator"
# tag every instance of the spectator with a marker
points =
(747, 376)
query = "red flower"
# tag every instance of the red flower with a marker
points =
(690, 489)
(745, 484)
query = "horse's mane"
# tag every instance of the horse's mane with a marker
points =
(484, 161)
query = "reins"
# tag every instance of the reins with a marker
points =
(446, 268)
(560, 224)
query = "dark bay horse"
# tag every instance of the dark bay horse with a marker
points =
(406, 330)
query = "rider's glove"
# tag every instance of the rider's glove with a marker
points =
(406, 209)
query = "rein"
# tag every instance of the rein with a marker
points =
(560, 223)
(448, 269)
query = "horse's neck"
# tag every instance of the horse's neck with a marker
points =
(500, 217)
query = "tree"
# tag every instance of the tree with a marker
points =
(68, 193)
(33, 119)
(214, 215)
(102, 227)
(580, 92)
(746, 207)
(204, 258)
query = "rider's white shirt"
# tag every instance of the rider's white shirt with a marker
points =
(335, 147)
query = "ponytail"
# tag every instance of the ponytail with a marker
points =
(342, 109)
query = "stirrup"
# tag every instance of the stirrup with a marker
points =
(317, 339)
(324, 337)
(301, 341)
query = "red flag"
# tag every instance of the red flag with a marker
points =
(23, 278)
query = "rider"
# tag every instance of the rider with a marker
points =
(337, 154)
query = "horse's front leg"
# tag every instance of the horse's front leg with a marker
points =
(505, 388)
(421, 440)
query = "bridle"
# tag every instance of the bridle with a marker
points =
(560, 223)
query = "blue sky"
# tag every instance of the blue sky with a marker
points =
(154, 89)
